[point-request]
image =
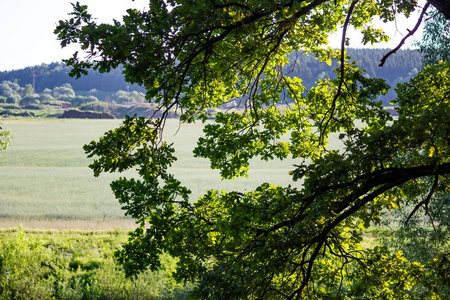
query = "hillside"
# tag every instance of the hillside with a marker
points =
(57, 74)
(48, 90)
(399, 68)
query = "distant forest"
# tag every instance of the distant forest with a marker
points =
(398, 68)
(49, 76)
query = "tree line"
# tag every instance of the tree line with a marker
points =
(12, 93)
(398, 69)
(49, 76)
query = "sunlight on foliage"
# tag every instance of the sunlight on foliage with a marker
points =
(302, 240)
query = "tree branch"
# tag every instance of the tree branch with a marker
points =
(410, 33)
(424, 201)
(342, 69)
(443, 6)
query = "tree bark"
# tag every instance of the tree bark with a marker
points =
(443, 6)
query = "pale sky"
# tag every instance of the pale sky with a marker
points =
(26, 28)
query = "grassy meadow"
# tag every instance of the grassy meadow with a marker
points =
(46, 185)
(46, 182)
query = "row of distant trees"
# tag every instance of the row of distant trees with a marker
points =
(57, 74)
(111, 86)
(13, 93)
(400, 67)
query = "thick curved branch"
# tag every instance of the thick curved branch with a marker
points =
(443, 6)
(381, 186)
(365, 191)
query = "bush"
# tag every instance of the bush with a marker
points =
(96, 106)
(9, 106)
(23, 263)
(76, 265)
(32, 107)
(14, 99)
(54, 103)
(28, 100)
(82, 100)
(18, 113)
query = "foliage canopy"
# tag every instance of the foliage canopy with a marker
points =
(297, 241)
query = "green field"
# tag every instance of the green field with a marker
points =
(46, 182)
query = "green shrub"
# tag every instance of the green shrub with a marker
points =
(32, 107)
(28, 101)
(76, 265)
(9, 106)
(81, 100)
(14, 99)
(95, 106)
(25, 269)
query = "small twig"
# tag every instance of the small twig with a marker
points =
(424, 201)
(410, 33)
(342, 70)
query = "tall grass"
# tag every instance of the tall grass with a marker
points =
(45, 174)
(76, 265)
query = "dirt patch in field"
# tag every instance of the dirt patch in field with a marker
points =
(76, 114)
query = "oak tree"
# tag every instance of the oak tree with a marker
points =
(424, 238)
(297, 241)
